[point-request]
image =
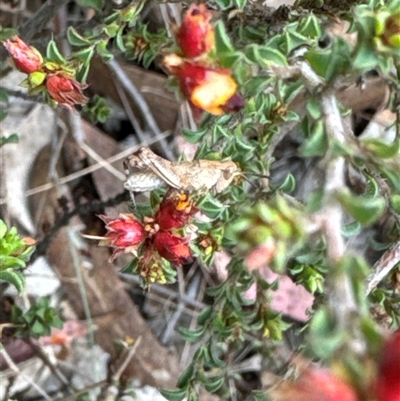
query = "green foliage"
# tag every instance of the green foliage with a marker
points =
(258, 220)
(142, 45)
(95, 4)
(266, 216)
(37, 321)
(14, 253)
(96, 110)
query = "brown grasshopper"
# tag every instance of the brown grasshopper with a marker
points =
(150, 171)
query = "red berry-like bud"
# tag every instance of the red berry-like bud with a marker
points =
(26, 58)
(65, 89)
(315, 385)
(387, 387)
(125, 234)
(174, 249)
(175, 211)
(196, 35)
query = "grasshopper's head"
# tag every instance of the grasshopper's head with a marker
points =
(229, 170)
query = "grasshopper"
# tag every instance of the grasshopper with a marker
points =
(147, 171)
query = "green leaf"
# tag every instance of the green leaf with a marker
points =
(174, 395)
(212, 207)
(381, 148)
(365, 210)
(191, 335)
(7, 261)
(3, 229)
(309, 27)
(4, 96)
(331, 62)
(36, 78)
(204, 315)
(213, 386)
(317, 144)
(265, 55)
(194, 136)
(325, 339)
(314, 108)
(84, 55)
(82, 74)
(366, 57)
(13, 138)
(185, 377)
(119, 39)
(293, 40)
(395, 203)
(7, 33)
(103, 52)
(351, 229)
(3, 114)
(240, 4)
(53, 54)
(38, 329)
(224, 4)
(95, 4)
(76, 39)
(214, 352)
(222, 42)
(288, 185)
(17, 279)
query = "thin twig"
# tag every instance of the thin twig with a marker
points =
(165, 291)
(40, 19)
(383, 266)
(53, 368)
(84, 390)
(85, 208)
(139, 100)
(331, 216)
(17, 372)
(117, 375)
(128, 109)
(95, 156)
(90, 169)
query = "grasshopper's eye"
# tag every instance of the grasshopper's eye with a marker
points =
(227, 174)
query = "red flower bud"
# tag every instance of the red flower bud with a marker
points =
(26, 58)
(196, 35)
(65, 89)
(387, 387)
(315, 385)
(125, 234)
(175, 211)
(174, 249)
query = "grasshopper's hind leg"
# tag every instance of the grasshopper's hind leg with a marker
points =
(127, 175)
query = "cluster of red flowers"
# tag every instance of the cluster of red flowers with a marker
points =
(59, 83)
(206, 86)
(319, 384)
(161, 236)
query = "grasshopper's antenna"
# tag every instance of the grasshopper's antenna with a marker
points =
(257, 174)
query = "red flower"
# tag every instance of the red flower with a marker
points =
(209, 89)
(315, 385)
(175, 211)
(387, 387)
(125, 234)
(65, 89)
(196, 35)
(26, 58)
(175, 249)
